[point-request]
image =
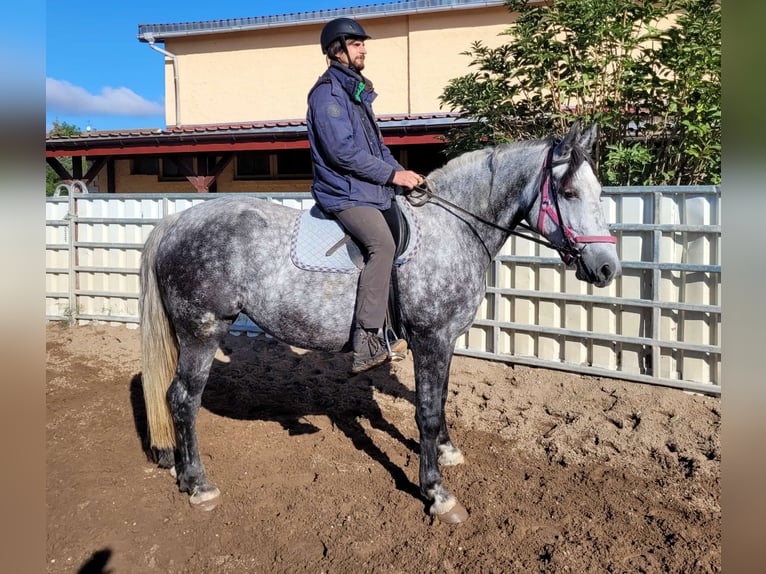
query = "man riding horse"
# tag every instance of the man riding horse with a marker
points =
(355, 176)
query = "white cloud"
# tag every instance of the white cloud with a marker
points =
(63, 97)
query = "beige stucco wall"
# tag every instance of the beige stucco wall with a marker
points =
(266, 74)
(436, 41)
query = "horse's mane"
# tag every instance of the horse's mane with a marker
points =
(478, 156)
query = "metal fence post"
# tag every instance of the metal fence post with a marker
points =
(72, 311)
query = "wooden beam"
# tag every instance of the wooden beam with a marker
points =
(201, 183)
(77, 167)
(94, 169)
(222, 163)
(111, 184)
(221, 147)
(414, 139)
(58, 168)
(202, 164)
(183, 169)
(227, 147)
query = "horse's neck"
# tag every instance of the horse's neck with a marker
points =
(497, 188)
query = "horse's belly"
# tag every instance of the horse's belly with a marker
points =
(307, 309)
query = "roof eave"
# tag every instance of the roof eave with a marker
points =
(399, 129)
(159, 32)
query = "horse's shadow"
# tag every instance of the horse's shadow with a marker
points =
(263, 379)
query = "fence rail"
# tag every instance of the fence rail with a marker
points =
(659, 323)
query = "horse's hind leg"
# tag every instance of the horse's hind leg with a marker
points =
(184, 398)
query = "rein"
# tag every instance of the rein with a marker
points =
(549, 206)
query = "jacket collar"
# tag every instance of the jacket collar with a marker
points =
(354, 84)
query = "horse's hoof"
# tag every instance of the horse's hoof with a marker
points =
(455, 515)
(173, 472)
(205, 500)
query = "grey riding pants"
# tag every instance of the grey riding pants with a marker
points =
(369, 227)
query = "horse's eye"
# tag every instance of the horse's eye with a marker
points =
(570, 192)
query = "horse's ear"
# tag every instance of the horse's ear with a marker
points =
(588, 138)
(564, 148)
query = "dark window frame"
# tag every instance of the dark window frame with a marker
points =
(275, 172)
(254, 175)
(138, 165)
(282, 165)
(178, 176)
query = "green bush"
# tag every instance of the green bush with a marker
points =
(648, 72)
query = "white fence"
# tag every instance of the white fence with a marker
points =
(659, 323)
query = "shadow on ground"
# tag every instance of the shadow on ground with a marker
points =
(253, 386)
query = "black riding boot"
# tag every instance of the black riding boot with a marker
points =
(369, 350)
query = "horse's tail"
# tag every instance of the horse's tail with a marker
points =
(159, 349)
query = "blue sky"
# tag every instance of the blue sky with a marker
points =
(97, 72)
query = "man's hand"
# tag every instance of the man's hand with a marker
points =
(407, 178)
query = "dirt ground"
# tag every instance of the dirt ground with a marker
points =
(318, 469)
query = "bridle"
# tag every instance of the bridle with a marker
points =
(571, 248)
(569, 251)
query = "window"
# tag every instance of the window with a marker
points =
(252, 165)
(282, 164)
(294, 164)
(422, 158)
(145, 165)
(171, 170)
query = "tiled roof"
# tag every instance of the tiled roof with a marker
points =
(297, 126)
(158, 32)
(96, 134)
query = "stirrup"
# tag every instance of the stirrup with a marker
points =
(397, 348)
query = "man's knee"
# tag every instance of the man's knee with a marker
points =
(387, 247)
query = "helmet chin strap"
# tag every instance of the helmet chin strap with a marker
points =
(350, 64)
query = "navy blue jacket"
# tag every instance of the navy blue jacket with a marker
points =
(352, 165)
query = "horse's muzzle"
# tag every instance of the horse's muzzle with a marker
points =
(599, 273)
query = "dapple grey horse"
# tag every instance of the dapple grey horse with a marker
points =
(202, 267)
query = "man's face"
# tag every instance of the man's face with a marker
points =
(356, 53)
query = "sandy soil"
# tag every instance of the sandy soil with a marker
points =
(318, 470)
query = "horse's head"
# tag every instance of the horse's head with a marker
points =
(568, 210)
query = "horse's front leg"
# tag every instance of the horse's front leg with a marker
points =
(432, 359)
(449, 454)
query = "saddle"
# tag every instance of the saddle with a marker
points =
(320, 243)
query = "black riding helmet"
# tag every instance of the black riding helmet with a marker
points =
(341, 28)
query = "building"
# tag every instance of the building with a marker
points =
(235, 97)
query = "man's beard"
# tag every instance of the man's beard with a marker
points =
(359, 64)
